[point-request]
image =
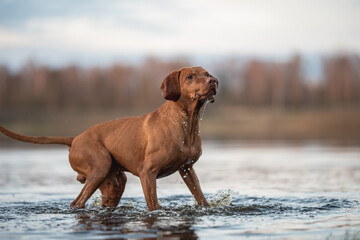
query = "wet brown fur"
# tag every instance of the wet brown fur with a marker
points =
(151, 146)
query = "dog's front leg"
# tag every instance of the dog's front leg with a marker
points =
(148, 183)
(192, 181)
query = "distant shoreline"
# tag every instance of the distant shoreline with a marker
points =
(335, 126)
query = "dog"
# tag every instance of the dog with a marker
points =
(151, 146)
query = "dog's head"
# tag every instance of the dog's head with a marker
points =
(190, 83)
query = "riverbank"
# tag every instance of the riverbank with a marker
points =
(335, 125)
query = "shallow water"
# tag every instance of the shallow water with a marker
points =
(257, 192)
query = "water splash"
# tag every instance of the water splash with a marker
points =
(203, 109)
(94, 201)
(223, 197)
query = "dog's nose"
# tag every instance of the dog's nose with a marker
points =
(212, 81)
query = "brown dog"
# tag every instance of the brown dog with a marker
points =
(152, 146)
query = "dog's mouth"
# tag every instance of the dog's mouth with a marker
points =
(213, 90)
(208, 95)
(211, 94)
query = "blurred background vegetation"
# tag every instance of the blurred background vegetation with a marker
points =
(257, 99)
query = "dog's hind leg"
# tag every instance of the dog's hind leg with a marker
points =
(98, 166)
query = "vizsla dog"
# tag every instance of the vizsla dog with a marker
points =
(151, 146)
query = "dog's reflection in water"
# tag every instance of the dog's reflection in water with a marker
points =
(113, 226)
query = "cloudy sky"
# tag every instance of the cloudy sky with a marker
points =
(91, 31)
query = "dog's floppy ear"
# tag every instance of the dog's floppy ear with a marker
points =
(170, 86)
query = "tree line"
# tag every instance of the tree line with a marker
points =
(253, 83)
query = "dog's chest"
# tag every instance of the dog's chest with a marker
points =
(184, 157)
(189, 154)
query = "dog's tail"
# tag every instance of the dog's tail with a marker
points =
(41, 140)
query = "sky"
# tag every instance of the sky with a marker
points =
(100, 32)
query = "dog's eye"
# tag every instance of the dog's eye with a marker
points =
(189, 76)
(207, 74)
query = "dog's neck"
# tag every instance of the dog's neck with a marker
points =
(187, 113)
